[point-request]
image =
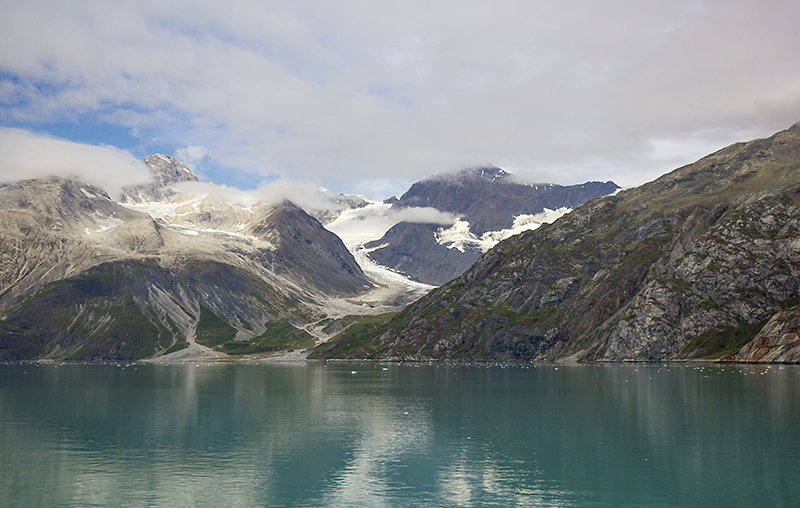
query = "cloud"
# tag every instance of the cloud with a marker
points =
(348, 91)
(422, 215)
(192, 155)
(380, 188)
(359, 226)
(307, 196)
(24, 155)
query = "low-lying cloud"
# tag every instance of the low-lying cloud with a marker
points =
(421, 215)
(359, 226)
(24, 155)
(308, 196)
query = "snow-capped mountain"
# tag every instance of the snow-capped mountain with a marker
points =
(476, 208)
(157, 270)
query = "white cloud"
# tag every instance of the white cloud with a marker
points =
(24, 155)
(359, 226)
(345, 91)
(379, 188)
(192, 155)
(307, 196)
(422, 215)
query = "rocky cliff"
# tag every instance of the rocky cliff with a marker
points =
(691, 265)
(778, 341)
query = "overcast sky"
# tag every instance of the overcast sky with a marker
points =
(369, 96)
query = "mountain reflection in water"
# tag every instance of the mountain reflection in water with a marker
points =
(398, 435)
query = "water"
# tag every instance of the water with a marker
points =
(219, 435)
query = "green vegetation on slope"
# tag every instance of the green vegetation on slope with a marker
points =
(129, 334)
(279, 335)
(16, 343)
(85, 317)
(211, 330)
(718, 343)
(356, 338)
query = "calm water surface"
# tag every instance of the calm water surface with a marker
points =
(302, 435)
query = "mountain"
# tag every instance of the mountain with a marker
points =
(489, 197)
(691, 265)
(490, 204)
(155, 271)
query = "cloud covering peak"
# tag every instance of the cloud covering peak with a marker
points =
(24, 155)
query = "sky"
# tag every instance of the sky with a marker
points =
(369, 96)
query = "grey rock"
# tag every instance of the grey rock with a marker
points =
(777, 342)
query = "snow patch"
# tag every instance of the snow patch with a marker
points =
(194, 231)
(163, 210)
(459, 237)
(106, 223)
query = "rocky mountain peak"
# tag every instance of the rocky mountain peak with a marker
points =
(55, 200)
(168, 169)
(489, 173)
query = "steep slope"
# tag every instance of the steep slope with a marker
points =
(82, 276)
(316, 258)
(486, 200)
(130, 309)
(690, 265)
(412, 249)
(48, 232)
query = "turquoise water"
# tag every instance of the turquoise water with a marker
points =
(302, 435)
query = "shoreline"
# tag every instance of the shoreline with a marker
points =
(300, 357)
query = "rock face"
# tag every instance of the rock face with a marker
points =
(691, 265)
(488, 199)
(777, 342)
(84, 276)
